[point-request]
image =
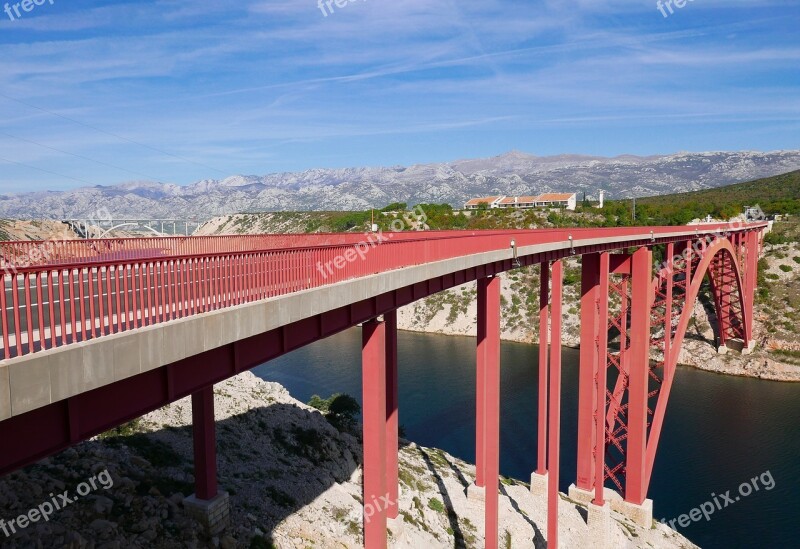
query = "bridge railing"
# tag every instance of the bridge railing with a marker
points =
(28, 253)
(78, 296)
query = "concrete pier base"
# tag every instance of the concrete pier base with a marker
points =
(642, 514)
(739, 346)
(538, 484)
(722, 350)
(476, 493)
(214, 514)
(599, 523)
(397, 527)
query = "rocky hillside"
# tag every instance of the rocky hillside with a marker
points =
(35, 230)
(294, 482)
(514, 173)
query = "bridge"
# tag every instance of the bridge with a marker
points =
(99, 228)
(98, 332)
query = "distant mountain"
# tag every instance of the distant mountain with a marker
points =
(513, 173)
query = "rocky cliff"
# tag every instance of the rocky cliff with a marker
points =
(294, 482)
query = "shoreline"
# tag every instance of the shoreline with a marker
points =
(790, 375)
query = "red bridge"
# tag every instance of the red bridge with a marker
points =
(98, 332)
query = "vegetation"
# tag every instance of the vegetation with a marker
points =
(339, 409)
(776, 195)
(436, 505)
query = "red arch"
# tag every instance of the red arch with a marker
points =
(720, 247)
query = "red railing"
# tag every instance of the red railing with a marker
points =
(92, 288)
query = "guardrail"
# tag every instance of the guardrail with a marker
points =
(123, 284)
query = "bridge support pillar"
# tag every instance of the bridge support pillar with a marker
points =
(373, 357)
(208, 505)
(539, 480)
(589, 362)
(487, 424)
(554, 404)
(750, 283)
(205, 443)
(392, 419)
(636, 475)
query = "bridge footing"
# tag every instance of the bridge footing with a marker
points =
(214, 514)
(599, 523)
(397, 526)
(476, 493)
(641, 514)
(538, 484)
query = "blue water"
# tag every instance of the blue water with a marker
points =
(720, 431)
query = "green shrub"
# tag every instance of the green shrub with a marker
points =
(785, 268)
(436, 505)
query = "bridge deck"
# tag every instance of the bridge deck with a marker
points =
(76, 291)
(72, 326)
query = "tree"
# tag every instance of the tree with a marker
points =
(340, 410)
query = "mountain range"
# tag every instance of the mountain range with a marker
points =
(513, 173)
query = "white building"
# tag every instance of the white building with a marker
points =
(548, 200)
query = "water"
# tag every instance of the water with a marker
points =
(719, 432)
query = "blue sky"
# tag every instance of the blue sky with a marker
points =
(177, 91)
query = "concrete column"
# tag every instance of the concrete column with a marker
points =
(599, 523)
(374, 411)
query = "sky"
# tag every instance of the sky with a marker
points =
(98, 93)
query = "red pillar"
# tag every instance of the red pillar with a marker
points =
(587, 393)
(668, 312)
(489, 389)
(392, 420)
(373, 364)
(480, 412)
(205, 444)
(750, 283)
(636, 469)
(600, 384)
(544, 299)
(554, 430)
